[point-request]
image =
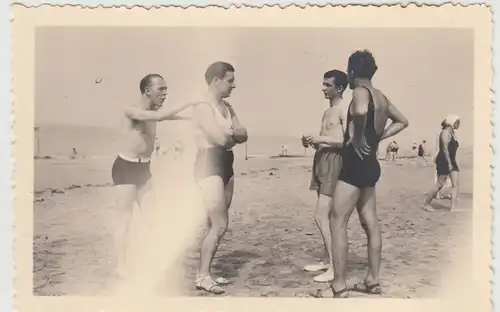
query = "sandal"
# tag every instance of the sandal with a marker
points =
(212, 288)
(320, 293)
(373, 289)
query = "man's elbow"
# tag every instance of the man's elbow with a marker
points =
(405, 123)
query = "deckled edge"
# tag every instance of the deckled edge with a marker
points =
(495, 110)
(488, 3)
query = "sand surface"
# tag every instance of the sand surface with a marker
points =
(271, 234)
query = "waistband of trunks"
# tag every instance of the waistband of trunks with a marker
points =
(215, 148)
(138, 160)
(330, 150)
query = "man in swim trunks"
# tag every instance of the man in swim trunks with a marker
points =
(327, 163)
(218, 130)
(366, 119)
(131, 170)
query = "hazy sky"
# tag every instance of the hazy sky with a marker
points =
(427, 73)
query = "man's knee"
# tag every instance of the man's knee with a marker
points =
(220, 228)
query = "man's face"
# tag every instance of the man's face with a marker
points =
(225, 85)
(329, 88)
(157, 92)
(457, 124)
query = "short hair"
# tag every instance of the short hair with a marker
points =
(146, 81)
(362, 63)
(217, 70)
(340, 78)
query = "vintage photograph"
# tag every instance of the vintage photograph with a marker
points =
(238, 161)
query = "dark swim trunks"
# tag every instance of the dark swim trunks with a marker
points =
(214, 161)
(125, 172)
(326, 170)
(356, 171)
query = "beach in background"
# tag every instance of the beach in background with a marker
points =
(271, 234)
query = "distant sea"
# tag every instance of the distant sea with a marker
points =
(96, 142)
(92, 141)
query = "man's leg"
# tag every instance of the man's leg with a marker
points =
(126, 198)
(214, 197)
(344, 200)
(367, 212)
(322, 219)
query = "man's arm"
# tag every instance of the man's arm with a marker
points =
(234, 118)
(399, 121)
(204, 116)
(361, 99)
(241, 135)
(164, 113)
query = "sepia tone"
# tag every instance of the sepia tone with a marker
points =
(85, 76)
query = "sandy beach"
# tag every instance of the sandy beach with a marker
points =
(271, 234)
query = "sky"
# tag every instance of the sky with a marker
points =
(426, 73)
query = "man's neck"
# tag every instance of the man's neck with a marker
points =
(214, 97)
(335, 101)
(363, 82)
(145, 102)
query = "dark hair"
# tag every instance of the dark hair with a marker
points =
(340, 78)
(443, 124)
(362, 63)
(217, 70)
(146, 81)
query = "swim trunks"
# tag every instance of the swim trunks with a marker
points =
(132, 171)
(326, 169)
(356, 171)
(214, 161)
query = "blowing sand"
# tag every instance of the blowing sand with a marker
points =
(271, 234)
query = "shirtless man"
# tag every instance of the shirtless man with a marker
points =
(366, 119)
(131, 170)
(327, 164)
(218, 130)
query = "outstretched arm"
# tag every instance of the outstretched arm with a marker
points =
(164, 113)
(399, 121)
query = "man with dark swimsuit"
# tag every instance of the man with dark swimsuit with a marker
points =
(366, 119)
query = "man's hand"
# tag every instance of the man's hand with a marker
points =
(360, 147)
(240, 135)
(304, 141)
(314, 140)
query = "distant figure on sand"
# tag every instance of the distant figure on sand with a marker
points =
(446, 163)
(157, 146)
(218, 130)
(414, 147)
(392, 150)
(327, 164)
(283, 150)
(131, 170)
(74, 153)
(366, 119)
(421, 151)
